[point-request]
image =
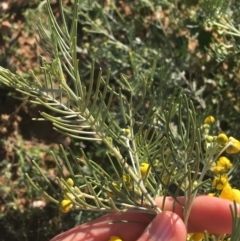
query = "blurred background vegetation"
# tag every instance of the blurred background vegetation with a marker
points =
(168, 44)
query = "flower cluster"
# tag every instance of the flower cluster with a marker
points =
(221, 167)
(72, 193)
(218, 143)
(128, 183)
(67, 202)
(215, 146)
(219, 164)
(227, 192)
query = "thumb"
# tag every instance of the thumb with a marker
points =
(166, 226)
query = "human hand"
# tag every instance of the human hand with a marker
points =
(207, 213)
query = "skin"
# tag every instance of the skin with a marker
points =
(207, 213)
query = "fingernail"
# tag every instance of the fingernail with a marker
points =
(162, 228)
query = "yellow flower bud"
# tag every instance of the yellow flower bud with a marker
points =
(211, 194)
(114, 238)
(66, 205)
(145, 169)
(235, 146)
(70, 182)
(205, 127)
(126, 131)
(197, 236)
(209, 120)
(126, 179)
(195, 184)
(222, 139)
(165, 179)
(114, 186)
(209, 138)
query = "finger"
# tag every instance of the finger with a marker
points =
(208, 213)
(128, 226)
(166, 226)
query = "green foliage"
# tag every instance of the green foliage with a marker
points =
(147, 110)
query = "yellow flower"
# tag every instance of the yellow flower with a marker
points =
(197, 236)
(230, 193)
(70, 182)
(126, 179)
(234, 147)
(219, 182)
(211, 194)
(165, 179)
(114, 238)
(66, 205)
(222, 139)
(218, 169)
(145, 169)
(236, 195)
(126, 131)
(224, 162)
(115, 186)
(209, 120)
